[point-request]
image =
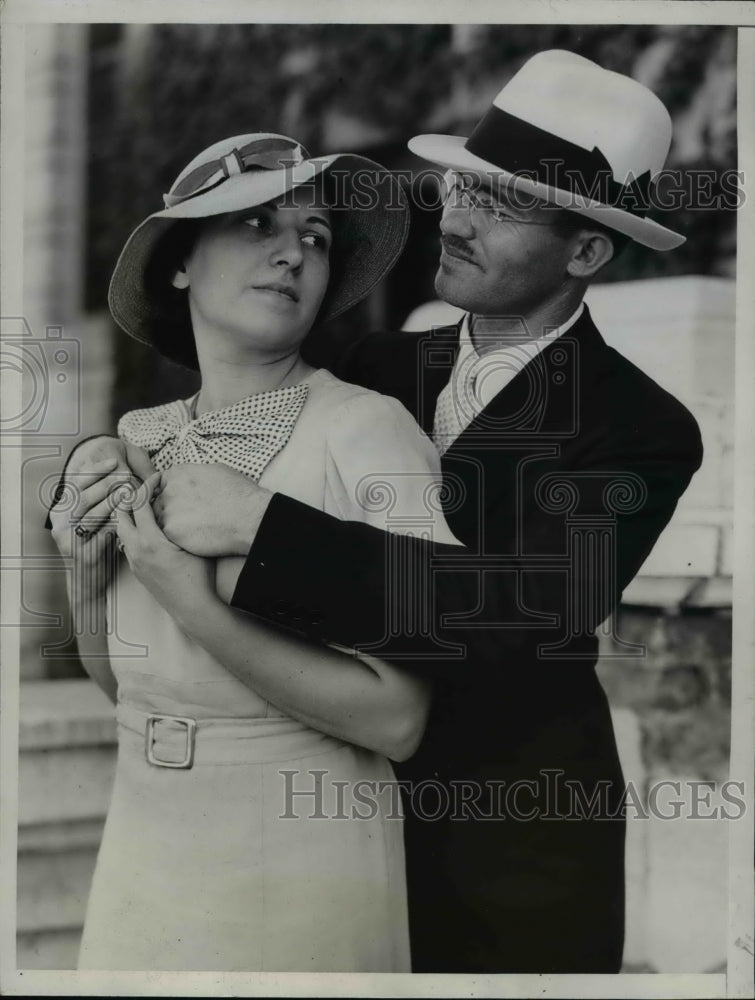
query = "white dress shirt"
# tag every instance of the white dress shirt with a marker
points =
(477, 378)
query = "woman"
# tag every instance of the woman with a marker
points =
(238, 837)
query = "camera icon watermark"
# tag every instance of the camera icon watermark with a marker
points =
(41, 381)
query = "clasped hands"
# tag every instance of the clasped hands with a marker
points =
(162, 520)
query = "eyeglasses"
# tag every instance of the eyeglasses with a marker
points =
(484, 211)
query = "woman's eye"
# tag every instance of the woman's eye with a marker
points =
(315, 240)
(259, 221)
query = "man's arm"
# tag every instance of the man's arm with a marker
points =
(351, 584)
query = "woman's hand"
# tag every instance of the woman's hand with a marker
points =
(99, 474)
(93, 561)
(93, 481)
(182, 583)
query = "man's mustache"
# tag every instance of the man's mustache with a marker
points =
(457, 246)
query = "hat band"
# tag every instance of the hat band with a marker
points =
(262, 154)
(521, 148)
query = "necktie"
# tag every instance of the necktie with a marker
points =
(475, 380)
(245, 436)
(457, 406)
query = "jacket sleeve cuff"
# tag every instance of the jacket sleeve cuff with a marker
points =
(279, 580)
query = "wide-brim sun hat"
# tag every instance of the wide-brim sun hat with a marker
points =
(369, 217)
(568, 132)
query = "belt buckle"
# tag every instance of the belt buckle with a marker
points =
(191, 730)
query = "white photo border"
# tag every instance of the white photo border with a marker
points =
(738, 980)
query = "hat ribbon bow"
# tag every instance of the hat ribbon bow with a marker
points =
(263, 154)
(245, 436)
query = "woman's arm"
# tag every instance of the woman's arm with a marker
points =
(89, 623)
(92, 563)
(94, 473)
(363, 701)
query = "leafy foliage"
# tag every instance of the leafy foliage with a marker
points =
(159, 93)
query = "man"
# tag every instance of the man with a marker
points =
(562, 463)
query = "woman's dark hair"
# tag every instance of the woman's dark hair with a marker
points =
(171, 331)
(567, 223)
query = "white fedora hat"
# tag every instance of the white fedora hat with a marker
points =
(573, 134)
(369, 217)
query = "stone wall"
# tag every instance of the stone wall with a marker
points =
(672, 715)
(675, 702)
(66, 758)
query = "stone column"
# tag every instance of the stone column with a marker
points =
(64, 356)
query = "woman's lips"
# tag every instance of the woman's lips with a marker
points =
(286, 291)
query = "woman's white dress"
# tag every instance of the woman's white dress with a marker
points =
(258, 856)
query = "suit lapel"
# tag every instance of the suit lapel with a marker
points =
(537, 414)
(436, 355)
(543, 400)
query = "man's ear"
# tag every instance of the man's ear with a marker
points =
(592, 251)
(180, 278)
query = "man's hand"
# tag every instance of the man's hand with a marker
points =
(98, 471)
(210, 510)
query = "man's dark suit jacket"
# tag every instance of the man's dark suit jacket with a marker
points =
(558, 490)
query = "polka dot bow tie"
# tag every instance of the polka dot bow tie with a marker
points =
(246, 436)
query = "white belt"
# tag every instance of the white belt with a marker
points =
(180, 742)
